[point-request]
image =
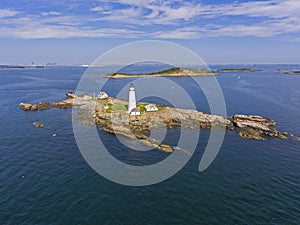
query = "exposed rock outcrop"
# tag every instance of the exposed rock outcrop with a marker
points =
(38, 124)
(255, 127)
(25, 106)
(44, 105)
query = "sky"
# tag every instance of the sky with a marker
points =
(219, 31)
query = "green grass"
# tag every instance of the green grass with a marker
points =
(142, 107)
(168, 71)
(103, 101)
(116, 108)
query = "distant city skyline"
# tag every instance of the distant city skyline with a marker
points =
(220, 32)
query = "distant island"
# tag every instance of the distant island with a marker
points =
(7, 67)
(243, 70)
(12, 67)
(172, 72)
(293, 72)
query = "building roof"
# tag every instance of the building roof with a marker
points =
(131, 87)
(137, 109)
(151, 106)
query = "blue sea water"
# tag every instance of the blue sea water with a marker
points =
(45, 180)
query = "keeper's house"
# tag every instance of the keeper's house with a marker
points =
(135, 112)
(151, 108)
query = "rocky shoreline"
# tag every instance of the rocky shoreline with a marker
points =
(93, 112)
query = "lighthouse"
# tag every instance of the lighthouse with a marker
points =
(132, 100)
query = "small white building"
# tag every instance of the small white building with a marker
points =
(151, 108)
(102, 95)
(106, 107)
(135, 111)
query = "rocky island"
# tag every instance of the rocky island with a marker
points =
(112, 115)
(293, 72)
(172, 72)
(243, 70)
(7, 67)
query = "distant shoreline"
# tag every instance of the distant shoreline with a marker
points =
(8, 67)
(243, 70)
(293, 72)
(5, 67)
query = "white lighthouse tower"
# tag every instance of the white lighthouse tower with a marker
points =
(132, 100)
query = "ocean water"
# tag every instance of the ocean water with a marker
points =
(45, 180)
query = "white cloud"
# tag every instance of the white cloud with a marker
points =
(7, 13)
(51, 13)
(269, 8)
(242, 30)
(180, 33)
(217, 31)
(273, 17)
(31, 27)
(168, 11)
(146, 12)
(160, 19)
(102, 9)
(39, 32)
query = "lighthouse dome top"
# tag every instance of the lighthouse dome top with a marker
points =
(131, 87)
